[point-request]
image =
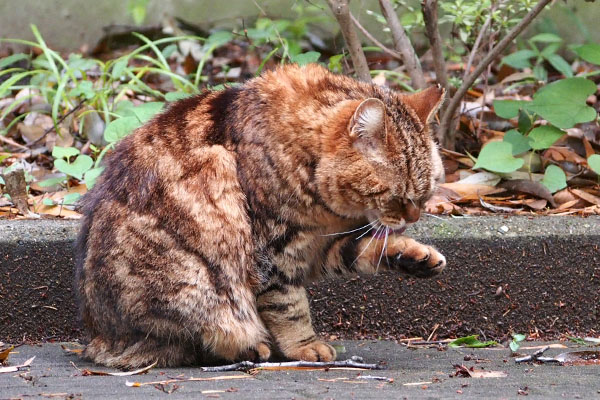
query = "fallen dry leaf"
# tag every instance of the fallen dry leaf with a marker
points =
(4, 353)
(16, 368)
(464, 371)
(176, 380)
(590, 198)
(87, 372)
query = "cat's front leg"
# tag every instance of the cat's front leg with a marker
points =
(396, 252)
(285, 311)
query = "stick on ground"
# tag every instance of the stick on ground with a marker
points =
(354, 362)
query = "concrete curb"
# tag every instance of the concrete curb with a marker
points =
(505, 274)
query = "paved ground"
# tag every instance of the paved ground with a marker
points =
(417, 374)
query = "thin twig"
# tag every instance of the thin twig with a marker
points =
(478, 40)
(373, 39)
(354, 362)
(446, 128)
(403, 45)
(341, 11)
(430, 15)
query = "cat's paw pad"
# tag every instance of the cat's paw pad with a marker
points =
(419, 260)
(261, 352)
(315, 351)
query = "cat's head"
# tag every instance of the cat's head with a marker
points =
(380, 160)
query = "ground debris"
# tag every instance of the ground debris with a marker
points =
(191, 379)
(87, 372)
(15, 368)
(587, 357)
(471, 372)
(354, 362)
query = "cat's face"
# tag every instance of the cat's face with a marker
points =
(385, 164)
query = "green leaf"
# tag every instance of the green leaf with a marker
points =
(64, 152)
(563, 103)
(497, 157)
(118, 68)
(77, 62)
(71, 198)
(577, 340)
(13, 59)
(52, 181)
(560, 65)
(594, 163)
(84, 89)
(48, 201)
(519, 59)
(174, 96)
(540, 73)
(144, 112)
(519, 337)
(119, 128)
(520, 143)
(525, 121)
(219, 38)
(543, 137)
(91, 176)
(471, 341)
(514, 346)
(306, 58)
(508, 108)
(554, 178)
(589, 52)
(77, 168)
(169, 50)
(546, 38)
(122, 108)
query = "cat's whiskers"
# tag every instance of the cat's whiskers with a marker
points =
(383, 248)
(370, 229)
(353, 230)
(368, 244)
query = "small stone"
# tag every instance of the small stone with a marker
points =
(503, 229)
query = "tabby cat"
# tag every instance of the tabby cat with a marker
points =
(207, 222)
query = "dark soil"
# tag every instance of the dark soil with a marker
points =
(542, 277)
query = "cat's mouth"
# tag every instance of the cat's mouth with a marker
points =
(387, 231)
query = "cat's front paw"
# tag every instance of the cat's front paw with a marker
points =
(315, 351)
(418, 259)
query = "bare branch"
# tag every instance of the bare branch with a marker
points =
(430, 15)
(341, 11)
(354, 362)
(403, 45)
(478, 40)
(446, 129)
(373, 39)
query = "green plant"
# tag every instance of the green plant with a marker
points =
(522, 59)
(562, 104)
(471, 341)
(515, 343)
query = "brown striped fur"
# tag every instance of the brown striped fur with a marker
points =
(207, 222)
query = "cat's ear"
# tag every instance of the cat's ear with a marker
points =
(368, 120)
(426, 102)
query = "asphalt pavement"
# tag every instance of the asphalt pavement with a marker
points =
(417, 373)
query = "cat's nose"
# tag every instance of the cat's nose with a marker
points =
(411, 213)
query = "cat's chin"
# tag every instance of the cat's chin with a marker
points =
(382, 233)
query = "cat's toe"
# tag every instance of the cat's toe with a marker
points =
(315, 351)
(262, 352)
(421, 261)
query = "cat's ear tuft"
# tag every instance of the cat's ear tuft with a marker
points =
(368, 119)
(426, 102)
